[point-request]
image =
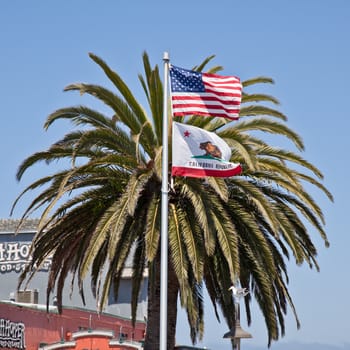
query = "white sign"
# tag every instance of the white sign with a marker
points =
(12, 334)
(14, 256)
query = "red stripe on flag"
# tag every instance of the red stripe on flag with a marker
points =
(204, 114)
(195, 172)
(204, 106)
(205, 98)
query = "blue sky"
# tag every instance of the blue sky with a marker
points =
(302, 45)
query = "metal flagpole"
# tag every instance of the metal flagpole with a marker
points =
(164, 217)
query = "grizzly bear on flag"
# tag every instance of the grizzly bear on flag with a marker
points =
(210, 149)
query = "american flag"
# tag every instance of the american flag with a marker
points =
(204, 94)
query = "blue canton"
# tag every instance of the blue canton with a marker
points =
(183, 80)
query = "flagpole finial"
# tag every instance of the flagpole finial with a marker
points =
(166, 56)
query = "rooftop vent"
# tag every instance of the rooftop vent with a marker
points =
(28, 296)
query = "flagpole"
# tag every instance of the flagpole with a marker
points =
(163, 335)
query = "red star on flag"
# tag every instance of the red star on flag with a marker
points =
(187, 133)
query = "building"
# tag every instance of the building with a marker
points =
(26, 323)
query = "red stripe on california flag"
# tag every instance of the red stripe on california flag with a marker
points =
(194, 172)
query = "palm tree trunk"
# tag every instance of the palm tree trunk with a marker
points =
(153, 308)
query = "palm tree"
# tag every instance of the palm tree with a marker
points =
(106, 205)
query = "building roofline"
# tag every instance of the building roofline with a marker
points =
(11, 226)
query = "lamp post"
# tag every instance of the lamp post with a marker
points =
(237, 332)
(121, 335)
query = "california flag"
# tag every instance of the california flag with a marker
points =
(200, 153)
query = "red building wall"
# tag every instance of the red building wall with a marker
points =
(43, 328)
